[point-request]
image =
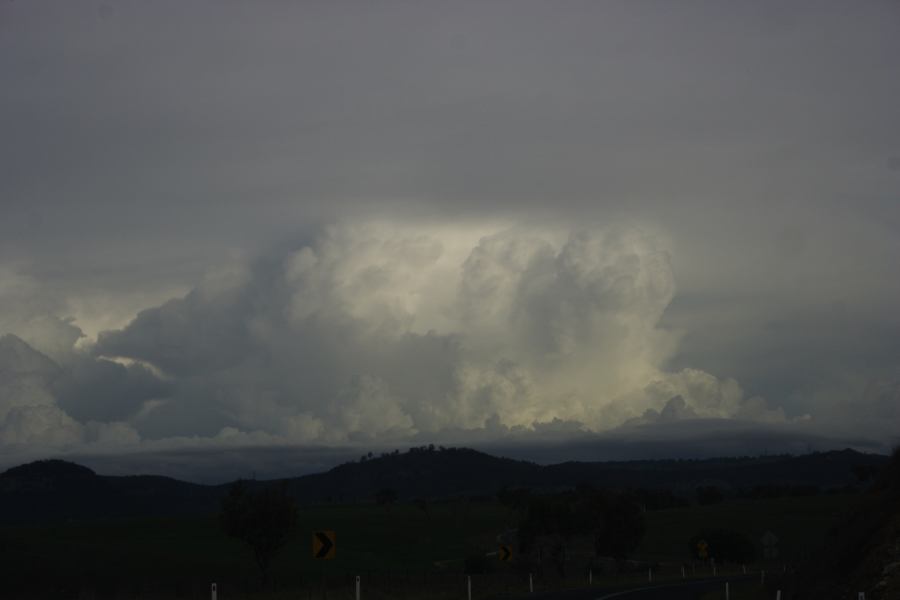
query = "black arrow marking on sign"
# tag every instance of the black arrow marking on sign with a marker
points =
(505, 553)
(326, 544)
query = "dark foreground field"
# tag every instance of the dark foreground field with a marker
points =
(400, 551)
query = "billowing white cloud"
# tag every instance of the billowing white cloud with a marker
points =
(385, 331)
(381, 333)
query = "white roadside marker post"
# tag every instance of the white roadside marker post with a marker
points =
(650, 575)
(469, 585)
(778, 595)
(727, 592)
(357, 588)
(762, 577)
(530, 583)
(715, 571)
(683, 574)
(213, 591)
(590, 577)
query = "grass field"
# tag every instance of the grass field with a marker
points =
(399, 550)
(800, 523)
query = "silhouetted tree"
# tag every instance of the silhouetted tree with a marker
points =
(263, 520)
(546, 528)
(386, 497)
(616, 522)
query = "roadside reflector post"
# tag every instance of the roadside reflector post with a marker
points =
(590, 577)
(650, 575)
(683, 574)
(862, 596)
(469, 586)
(357, 588)
(762, 576)
(715, 572)
(727, 592)
(530, 583)
(212, 591)
(745, 569)
(778, 595)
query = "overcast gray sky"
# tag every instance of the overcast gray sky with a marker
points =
(281, 224)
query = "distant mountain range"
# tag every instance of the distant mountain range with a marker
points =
(54, 490)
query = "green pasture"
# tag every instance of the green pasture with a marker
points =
(800, 523)
(398, 549)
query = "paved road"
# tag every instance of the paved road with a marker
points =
(681, 590)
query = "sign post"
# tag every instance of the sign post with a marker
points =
(702, 549)
(323, 548)
(770, 545)
(323, 544)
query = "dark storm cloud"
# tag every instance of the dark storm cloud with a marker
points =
(148, 145)
(100, 390)
(222, 465)
(697, 438)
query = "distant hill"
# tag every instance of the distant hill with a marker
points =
(54, 490)
(460, 471)
(418, 473)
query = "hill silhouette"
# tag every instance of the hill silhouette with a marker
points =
(53, 490)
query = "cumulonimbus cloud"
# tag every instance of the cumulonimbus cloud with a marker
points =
(386, 330)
